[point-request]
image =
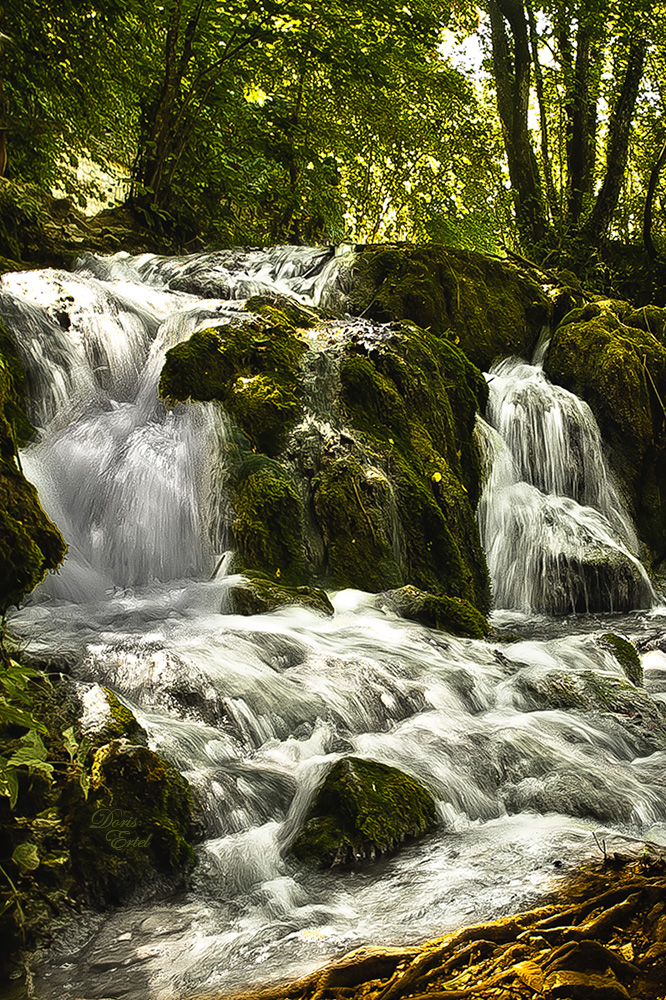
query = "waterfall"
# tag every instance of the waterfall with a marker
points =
(523, 758)
(557, 534)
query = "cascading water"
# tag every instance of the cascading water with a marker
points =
(254, 710)
(556, 532)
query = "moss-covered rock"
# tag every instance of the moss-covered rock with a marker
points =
(301, 317)
(626, 655)
(397, 507)
(354, 511)
(363, 809)
(138, 818)
(620, 369)
(415, 397)
(256, 595)
(251, 368)
(492, 307)
(30, 545)
(450, 614)
(92, 820)
(268, 521)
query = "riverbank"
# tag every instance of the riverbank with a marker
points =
(602, 938)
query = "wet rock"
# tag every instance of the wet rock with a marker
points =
(450, 614)
(30, 544)
(257, 595)
(137, 819)
(626, 655)
(489, 306)
(361, 810)
(105, 718)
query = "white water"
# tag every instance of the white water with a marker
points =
(555, 529)
(254, 710)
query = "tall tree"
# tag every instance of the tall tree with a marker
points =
(589, 82)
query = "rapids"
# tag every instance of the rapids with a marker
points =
(253, 710)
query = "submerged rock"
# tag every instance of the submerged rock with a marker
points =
(450, 614)
(256, 595)
(363, 809)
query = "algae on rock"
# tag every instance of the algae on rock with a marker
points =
(363, 809)
(490, 305)
(388, 497)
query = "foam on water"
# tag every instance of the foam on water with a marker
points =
(254, 710)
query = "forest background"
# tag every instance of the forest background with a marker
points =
(271, 121)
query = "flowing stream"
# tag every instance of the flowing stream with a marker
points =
(254, 710)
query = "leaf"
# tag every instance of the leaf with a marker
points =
(84, 748)
(70, 741)
(26, 856)
(32, 754)
(9, 785)
(18, 717)
(84, 782)
(530, 974)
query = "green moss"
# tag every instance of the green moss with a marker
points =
(256, 594)
(268, 520)
(265, 407)
(252, 369)
(363, 809)
(490, 306)
(285, 309)
(122, 722)
(138, 817)
(450, 614)
(354, 511)
(626, 655)
(415, 397)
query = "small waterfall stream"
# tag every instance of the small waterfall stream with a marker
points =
(556, 532)
(254, 710)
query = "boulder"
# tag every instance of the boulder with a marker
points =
(257, 595)
(361, 810)
(488, 306)
(614, 357)
(450, 614)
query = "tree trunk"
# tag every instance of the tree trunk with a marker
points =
(579, 171)
(649, 202)
(617, 148)
(553, 202)
(512, 79)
